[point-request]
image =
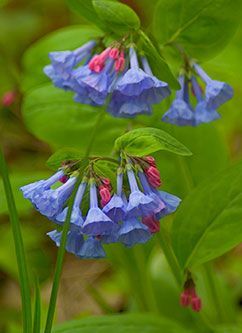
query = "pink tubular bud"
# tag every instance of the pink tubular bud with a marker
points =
(64, 179)
(8, 98)
(151, 160)
(104, 194)
(153, 176)
(185, 299)
(151, 223)
(104, 55)
(196, 304)
(120, 63)
(114, 53)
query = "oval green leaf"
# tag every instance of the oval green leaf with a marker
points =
(202, 28)
(52, 116)
(208, 222)
(144, 141)
(118, 17)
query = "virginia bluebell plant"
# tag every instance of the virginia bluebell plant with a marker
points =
(116, 76)
(194, 105)
(129, 214)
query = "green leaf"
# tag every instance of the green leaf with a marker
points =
(53, 116)
(128, 323)
(202, 28)
(144, 141)
(61, 155)
(159, 67)
(228, 329)
(208, 222)
(86, 10)
(117, 16)
(36, 57)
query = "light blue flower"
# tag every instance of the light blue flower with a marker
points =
(158, 205)
(133, 232)
(171, 203)
(136, 90)
(217, 93)
(202, 113)
(63, 63)
(42, 185)
(50, 202)
(76, 214)
(139, 204)
(181, 112)
(115, 209)
(91, 249)
(74, 240)
(92, 87)
(97, 223)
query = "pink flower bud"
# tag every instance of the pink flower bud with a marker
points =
(153, 176)
(8, 98)
(196, 303)
(120, 63)
(151, 223)
(114, 53)
(104, 194)
(64, 179)
(185, 298)
(150, 160)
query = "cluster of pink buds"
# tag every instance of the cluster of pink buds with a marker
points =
(105, 191)
(97, 63)
(8, 98)
(189, 296)
(152, 172)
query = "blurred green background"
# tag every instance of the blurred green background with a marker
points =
(130, 280)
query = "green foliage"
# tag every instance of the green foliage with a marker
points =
(144, 141)
(118, 17)
(86, 9)
(207, 216)
(53, 116)
(158, 64)
(62, 155)
(131, 323)
(202, 28)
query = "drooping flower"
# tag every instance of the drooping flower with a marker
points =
(132, 232)
(115, 209)
(189, 296)
(129, 216)
(217, 93)
(63, 63)
(189, 111)
(180, 112)
(137, 90)
(96, 222)
(202, 113)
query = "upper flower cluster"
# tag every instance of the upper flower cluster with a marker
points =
(193, 104)
(129, 214)
(116, 76)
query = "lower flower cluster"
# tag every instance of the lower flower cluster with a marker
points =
(128, 214)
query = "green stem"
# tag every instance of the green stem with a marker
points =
(170, 256)
(37, 308)
(66, 227)
(19, 248)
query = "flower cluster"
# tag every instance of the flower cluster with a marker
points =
(128, 214)
(116, 76)
(193, 104)
(189, 296)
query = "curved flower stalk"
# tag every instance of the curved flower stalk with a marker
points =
(195, 104)
(117, 75)
(129, 215)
